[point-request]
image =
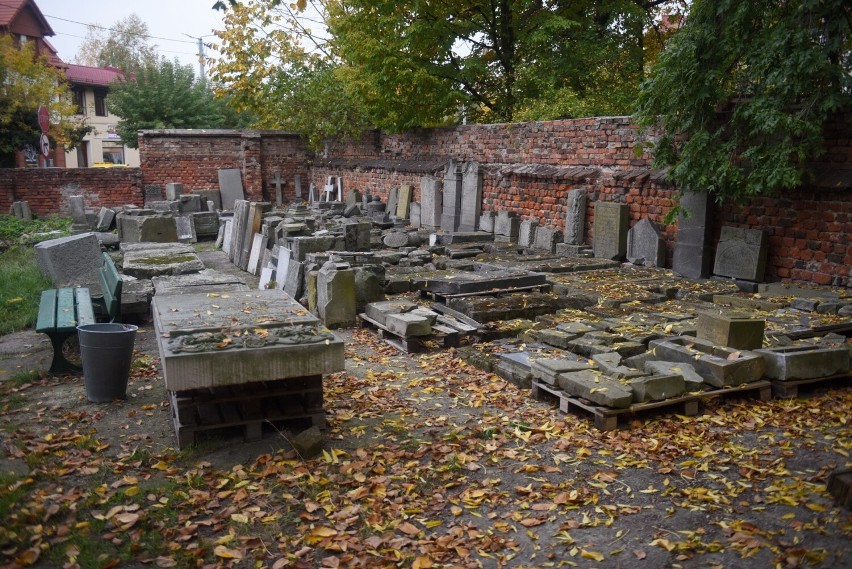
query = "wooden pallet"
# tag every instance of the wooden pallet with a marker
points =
(447, 330)
(442, 297)
(606, 418)
(790, 388)
(248, 409)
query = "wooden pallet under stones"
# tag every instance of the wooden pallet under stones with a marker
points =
(248, 409)
(606, 418)
(447, 330)
(443, 297)
(790, 388)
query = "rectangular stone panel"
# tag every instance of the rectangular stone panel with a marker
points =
(611, 220)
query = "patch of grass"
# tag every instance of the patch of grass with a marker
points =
(21, 291)
(21, 378)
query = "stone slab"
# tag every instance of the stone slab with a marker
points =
(657, 387)
(526, 235)
(71, 261)
(206, 281)
(693, 248)
(258, 246)
(804, 362)
(597, 388)
(154, 261)
(462, 282)
(575, 217)
(731, 330)
(645, 246)
(189, 330)
(230, 186)
(403, 201)
(692, 381)
(452, 194)
(719, 366)
(741, 253)
(471, 197)
(610, 223)
(174, 190)
(431, 202)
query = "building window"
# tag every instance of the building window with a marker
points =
(100, 103)
(83, 155)
(78, 97)
(113, 153)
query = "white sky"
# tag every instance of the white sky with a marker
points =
(168, 19)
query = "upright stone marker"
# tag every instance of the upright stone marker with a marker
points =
(238, 230)
(279, 193)
(282, 268)
(471, 197)
(297, 184)
(353, 197)
(644, 245)
(404, 202)
(506, 226)
(153, 193)
(258, 246)
(174, 191)
(77, 205)
(185, 229)
(393, 201)
(254, 221)
(415, 214)
(575, 218)
(610, 230)
(741, 254)
(230, 186)
(431, 202)
(692, 254)
(526, 236)
(336, 295)
(452, 198)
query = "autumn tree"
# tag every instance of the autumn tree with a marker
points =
(27, 82)
(401, 64)
(162, 95)
(740, 95)
(125, 45)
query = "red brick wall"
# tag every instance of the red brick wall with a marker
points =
(529, 168)
(47, 189)
(194, 157)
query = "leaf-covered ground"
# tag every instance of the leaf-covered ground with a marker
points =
(427, 463)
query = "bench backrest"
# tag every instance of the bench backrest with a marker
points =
(111, 287)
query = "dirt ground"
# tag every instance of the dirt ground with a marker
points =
(427, 462)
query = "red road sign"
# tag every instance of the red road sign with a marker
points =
(43, 118)
(44, 145)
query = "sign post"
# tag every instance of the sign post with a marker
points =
(44, 125)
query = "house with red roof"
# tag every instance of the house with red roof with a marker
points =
(89, 85)
(102, 146)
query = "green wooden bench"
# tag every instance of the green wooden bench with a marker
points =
(111, 288)
(59, 314)
(62, 310)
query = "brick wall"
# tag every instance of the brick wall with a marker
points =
(529, 168)
(194, 157)
(47, 189)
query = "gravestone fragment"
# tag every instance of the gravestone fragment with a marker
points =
(152, 193)
(404, 202)
(230, 186)
(431, 202)
(486, 221)
(415, 214)
(278, 182)
(610, 224)
(693, 248)
(174, 191)
(645, 246)
(526, 235)
(190, 203)
(282, 267)
(471, 197)
(393, 201)
(452, 194)
(210, 195)
(506, 226)
(294, 280)
(731, 330)
(546, 238)
(336, 294)
(258, 246)
(71, 261)
(77, 206)
(741, 253)
(369, 285)
(238, 229)
(575, 217)
(106, 218)
(254, 221)
(185, 229)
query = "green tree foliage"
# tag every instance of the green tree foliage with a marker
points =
(399, 64)
(27, 82)
(125, 45)
(160, 96)
(742, 92)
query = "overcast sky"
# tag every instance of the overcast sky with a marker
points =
(169, 19)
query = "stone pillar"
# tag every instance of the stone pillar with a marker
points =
(575, 217)
(693, 248)
(252, 165)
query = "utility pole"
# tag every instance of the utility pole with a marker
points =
(201, 74)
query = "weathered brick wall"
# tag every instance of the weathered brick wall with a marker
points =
(194, 157)
(47, 189)
(529, 168)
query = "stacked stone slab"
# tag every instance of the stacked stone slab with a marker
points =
(71, 261)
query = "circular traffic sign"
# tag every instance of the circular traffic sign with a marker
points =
(43, 118)
(44, 145)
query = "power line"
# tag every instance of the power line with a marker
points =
(158, 51)
(147, 36)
